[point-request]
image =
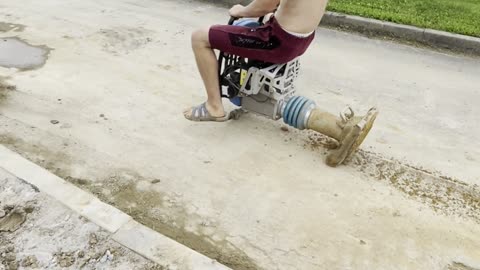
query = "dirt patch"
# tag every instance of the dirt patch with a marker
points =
(65, 259)
(460, 266)
(13, 219)
(284, 129)
(441, 193)
(170, 219)
(5, 89)
(123, 190)
(30, 262)
(36, 153)
(7, 27)
(316, 141)
(8, 256)
(124, 40)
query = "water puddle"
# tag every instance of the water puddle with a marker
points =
(16, 53)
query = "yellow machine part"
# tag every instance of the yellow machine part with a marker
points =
(243, 75)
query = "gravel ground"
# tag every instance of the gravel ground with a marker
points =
(37, 232)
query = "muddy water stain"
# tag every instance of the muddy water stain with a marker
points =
(127, 197)
(5, 89)
(460, 266)
(7, 27)
(16, 53)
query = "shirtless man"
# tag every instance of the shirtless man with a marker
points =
(286, 35)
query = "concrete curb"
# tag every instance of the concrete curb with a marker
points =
(376, 28)
(125, 231)
(429, 37)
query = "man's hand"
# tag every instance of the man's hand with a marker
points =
(237, 11)
(256, 8)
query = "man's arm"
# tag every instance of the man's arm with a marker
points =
(257, 8)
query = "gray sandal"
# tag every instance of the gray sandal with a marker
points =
(200, 114)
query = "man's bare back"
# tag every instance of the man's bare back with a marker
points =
(300, 16)
(284, 37)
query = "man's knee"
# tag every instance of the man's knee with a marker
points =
(200, 38)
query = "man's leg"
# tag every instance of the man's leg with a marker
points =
(208, 67)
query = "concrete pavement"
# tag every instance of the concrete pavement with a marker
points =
(104, 113)
(118, 226)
